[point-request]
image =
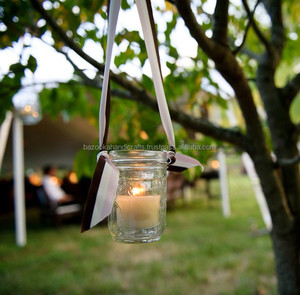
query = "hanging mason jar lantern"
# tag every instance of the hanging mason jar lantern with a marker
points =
(129, 187)
(139, 211)
(27, 106)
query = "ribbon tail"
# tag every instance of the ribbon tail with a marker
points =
(184, 162)
(101, 194)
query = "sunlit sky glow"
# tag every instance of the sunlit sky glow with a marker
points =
(53, 67)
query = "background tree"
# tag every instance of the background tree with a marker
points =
(253, 45)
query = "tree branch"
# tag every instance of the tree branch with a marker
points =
(230, 69)
(273, 7)
(81, 74)
(238, 48)
(220, 22)
(119, 79)
(258, 32)
(250, 22)
(243, 49)
(290, 91)
(195, 29)
(140, 95)
(196, 124)
(63, 36)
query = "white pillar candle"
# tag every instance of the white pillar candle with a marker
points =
(138, 212)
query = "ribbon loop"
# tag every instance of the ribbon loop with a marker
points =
(147, 22)
(106, 176)
(104, 112)
(148, 27)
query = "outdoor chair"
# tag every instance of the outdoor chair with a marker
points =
(54, 212)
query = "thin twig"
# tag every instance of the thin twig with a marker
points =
(257, 30)
(250, 22)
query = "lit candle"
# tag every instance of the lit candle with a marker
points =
(137, 211)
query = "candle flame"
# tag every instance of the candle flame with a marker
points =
(137, 191)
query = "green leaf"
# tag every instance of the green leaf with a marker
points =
(125, 5)
(147, 83)
(295, 110)
(32, 64)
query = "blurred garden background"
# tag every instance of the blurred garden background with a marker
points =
(200, 252)
(231, 76)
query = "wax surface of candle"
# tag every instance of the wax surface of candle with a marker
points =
(137, 212)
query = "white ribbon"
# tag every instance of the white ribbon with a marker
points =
(154, 63)
(112, 24)
(156, 71)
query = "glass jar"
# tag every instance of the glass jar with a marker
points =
(139, 210)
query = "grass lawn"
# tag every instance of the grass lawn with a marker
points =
(200, 253)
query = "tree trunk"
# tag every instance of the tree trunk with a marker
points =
(286, 248)
(284, 135)
(285, 234)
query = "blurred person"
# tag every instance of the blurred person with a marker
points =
(52, 187)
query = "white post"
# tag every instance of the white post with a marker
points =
(224, 183)
(249, 166)
(258, 190)
(216, 117)
(4, 132)
(19, 187)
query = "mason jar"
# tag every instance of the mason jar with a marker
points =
(139, 210)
